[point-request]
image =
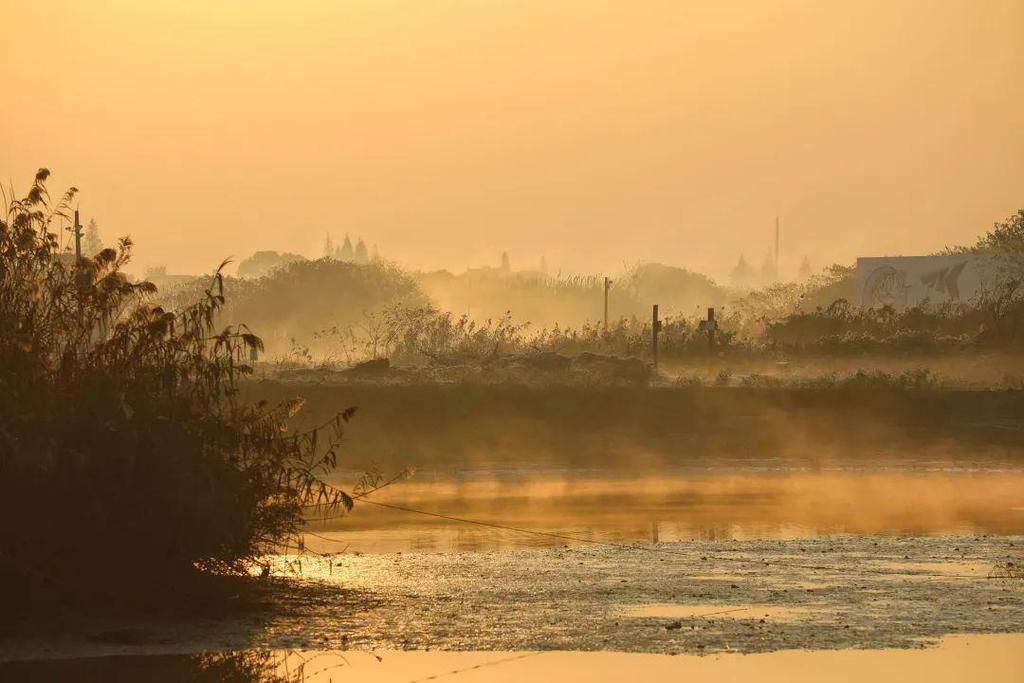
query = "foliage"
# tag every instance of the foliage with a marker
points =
(679, 337)
(264, 262)
(422, 334)
(387, 312)
(245, 666)
(123, 428)
(541, 300)
(570, 300)
(910, 380)
(299, 299)
(91, 243)
(426, 337)
(1004, 302)
(1006, 238)
(841, 326)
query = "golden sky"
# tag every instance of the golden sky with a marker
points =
(592, 132)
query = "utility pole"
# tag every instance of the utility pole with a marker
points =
(655, 329)
(607, 286)
(76, 229)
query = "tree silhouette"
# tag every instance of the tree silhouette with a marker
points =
(346, 253)
(264, 262)
(742, 275)
(93, 244)
(805, 271)
(361, 256)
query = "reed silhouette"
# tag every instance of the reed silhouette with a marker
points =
(126, 454)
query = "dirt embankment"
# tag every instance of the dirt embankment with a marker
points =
(635, 427)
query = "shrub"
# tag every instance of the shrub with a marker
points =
(126, 453)
(297, 299)
(263, 263)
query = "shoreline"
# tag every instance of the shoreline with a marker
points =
(823, 593)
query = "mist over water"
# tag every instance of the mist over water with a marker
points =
(706, 504)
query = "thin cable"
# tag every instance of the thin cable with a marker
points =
(493, 662)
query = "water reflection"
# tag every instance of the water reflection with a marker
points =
(703, 506)
(992, 658)
(231, 667)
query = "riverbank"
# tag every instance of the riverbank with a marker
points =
(448, 426)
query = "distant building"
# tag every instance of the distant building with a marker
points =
(743, 275)
(907, 281)
(345, 252)
(805, 272)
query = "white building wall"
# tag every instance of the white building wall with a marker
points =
(907, 281)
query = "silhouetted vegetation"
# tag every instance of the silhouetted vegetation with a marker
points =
(499, 316)
(126, 454)
(301, 298)
(230, 667)
(545, 301)
(842, 328)
(265, 262)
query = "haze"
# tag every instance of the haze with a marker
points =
(590, 133)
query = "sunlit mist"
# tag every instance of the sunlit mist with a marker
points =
(588, 134)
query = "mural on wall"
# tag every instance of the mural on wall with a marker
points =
(907, 281)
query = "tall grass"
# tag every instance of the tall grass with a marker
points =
(126, 453)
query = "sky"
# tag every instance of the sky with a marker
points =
(593, 133)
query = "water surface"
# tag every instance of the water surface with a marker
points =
(764, 501)
(990, 658)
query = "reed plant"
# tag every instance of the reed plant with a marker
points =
(127, 454)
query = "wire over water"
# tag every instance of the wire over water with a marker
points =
(661, 550)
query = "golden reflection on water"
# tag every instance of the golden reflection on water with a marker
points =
(989, 658)
(773, 505)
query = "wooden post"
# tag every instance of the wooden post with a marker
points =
(77, 230)
(712, 325)
(655, 329)
(607, 285)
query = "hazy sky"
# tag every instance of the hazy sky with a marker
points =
(592, 132)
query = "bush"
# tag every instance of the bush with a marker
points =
(263, 263)
(841, 328)
(297, 299)
(126, 454)
(422, 335)
(910, 380)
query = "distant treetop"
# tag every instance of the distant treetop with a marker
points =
(264, 262)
